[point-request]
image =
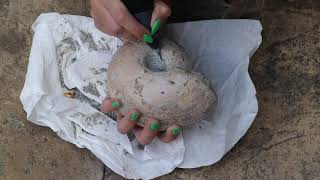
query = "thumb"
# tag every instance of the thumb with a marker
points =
(161, 11)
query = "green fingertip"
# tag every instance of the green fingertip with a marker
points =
(134, 116)
(115, 104)
(176, 131)
(147, 38)
(155, 27)
(154, 126)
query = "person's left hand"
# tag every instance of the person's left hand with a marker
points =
(127, 122)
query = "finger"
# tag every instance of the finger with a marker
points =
(150, 130)
(122, 16)
(126, 36)
(137, 131)
(104, 21)
(127, 123)
(170, 134)
(109, 105)
(160, 12)
(118, 115)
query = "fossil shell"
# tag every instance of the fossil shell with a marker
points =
(174, 95)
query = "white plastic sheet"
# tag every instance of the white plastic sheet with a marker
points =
(69, 52)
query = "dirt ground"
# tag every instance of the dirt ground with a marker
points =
(282, 143)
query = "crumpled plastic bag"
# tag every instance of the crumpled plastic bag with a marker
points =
(68, 52)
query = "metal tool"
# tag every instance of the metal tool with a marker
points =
(142, 11)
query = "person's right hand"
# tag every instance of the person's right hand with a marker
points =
(112, 17)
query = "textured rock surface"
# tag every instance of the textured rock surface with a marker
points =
(175, 95)
(283, 142)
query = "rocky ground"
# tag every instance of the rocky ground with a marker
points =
(283, 142)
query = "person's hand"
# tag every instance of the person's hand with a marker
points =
(113, 18)
(127, 122)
